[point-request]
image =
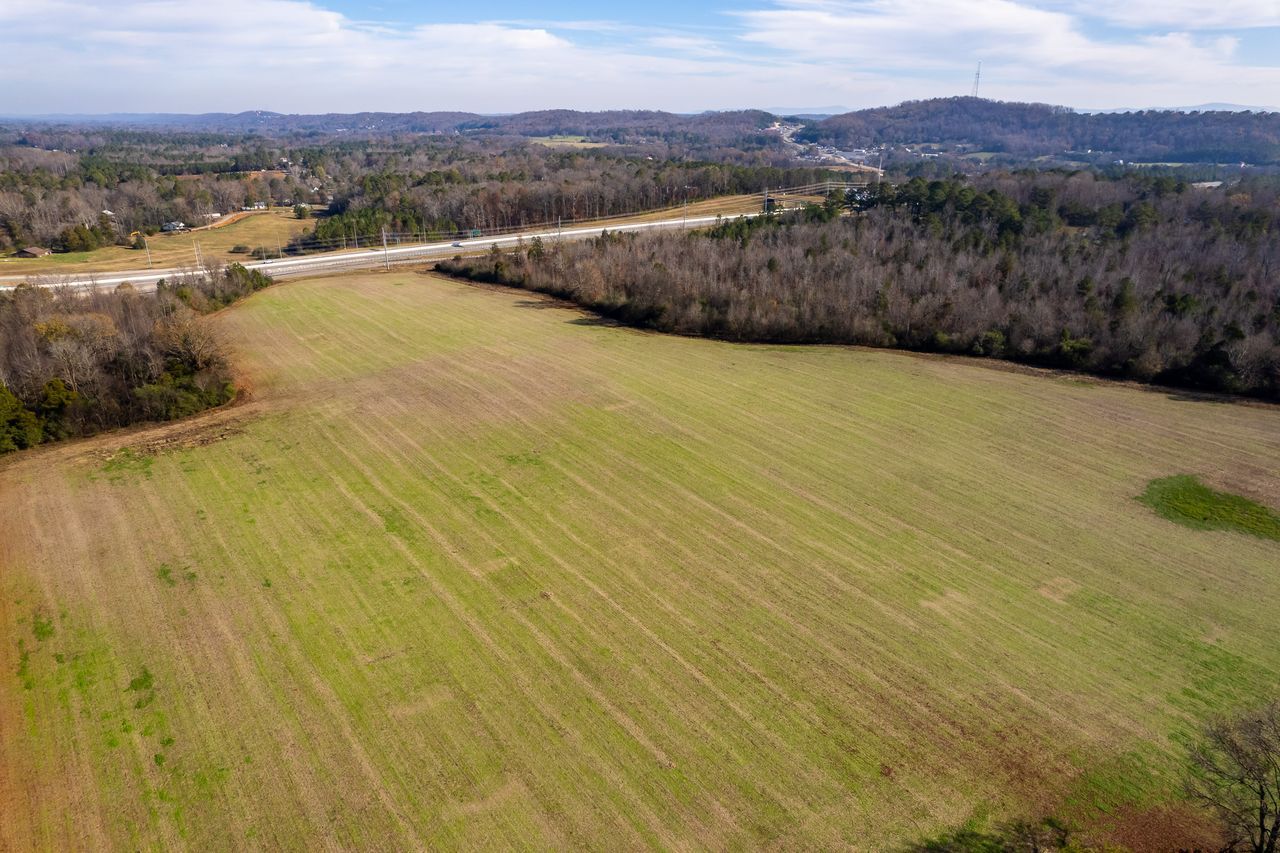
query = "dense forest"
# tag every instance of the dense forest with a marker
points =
(74, 363)
(78, 189)
(1143, 278)
(1030, 130)
(521, 189)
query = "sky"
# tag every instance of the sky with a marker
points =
(307, 56)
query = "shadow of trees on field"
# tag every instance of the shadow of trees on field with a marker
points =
(592, 321)
(1203, 397)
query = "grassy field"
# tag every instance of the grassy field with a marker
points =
(270, 228)
(469, 570)
(566, 141)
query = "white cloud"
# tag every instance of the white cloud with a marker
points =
(686, 44)
(295, 56)
(1185, 14)
(1029, 52)
(937, 33)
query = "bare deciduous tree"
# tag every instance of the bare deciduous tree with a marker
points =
(1235, 772)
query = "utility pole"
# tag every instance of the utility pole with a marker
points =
(199, 261)
(147, 246)
(386, 261)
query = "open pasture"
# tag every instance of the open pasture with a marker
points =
(271, 228)
(470, 569)
(566, 141)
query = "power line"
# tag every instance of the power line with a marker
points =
(304, 244)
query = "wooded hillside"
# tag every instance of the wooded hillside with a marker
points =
(1040, 129)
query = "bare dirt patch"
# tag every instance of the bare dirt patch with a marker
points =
(951, 604)
(1162, 829)
(1058, 589)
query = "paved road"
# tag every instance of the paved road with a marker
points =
(361, 259)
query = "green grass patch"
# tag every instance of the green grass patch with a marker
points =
(24, 667)
(1184, 500)
(395, 522)
(42, 626)
(143, 686)
(142, 682)
(128, 461)
(167, 577)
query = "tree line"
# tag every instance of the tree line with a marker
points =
(1148, 279)
(519, 190)
(74, 363)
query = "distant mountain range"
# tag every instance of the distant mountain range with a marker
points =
(808, 112)
(615, 125)
(453, 120)
(1198, 108)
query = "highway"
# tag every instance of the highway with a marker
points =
(145, 280)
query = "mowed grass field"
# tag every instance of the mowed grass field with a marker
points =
(725, 205)
(471, 570)
(565, 141)
(270, 228)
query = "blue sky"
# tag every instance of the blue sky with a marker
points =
(502, 56)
